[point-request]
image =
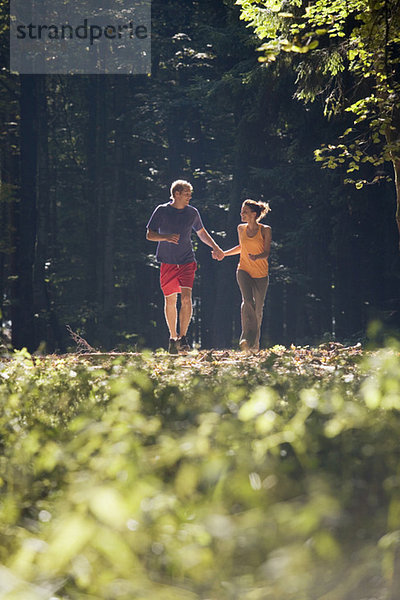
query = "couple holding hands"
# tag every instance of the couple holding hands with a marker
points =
(171, 225)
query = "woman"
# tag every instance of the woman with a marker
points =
(252, 272)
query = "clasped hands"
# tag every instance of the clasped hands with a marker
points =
(218, 254)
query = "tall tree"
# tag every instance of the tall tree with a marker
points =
(23, 331)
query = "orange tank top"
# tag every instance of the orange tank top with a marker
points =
(252, 245)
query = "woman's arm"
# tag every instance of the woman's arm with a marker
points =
(267, 235)
(233, 251)
(230, 252)
(236, 249)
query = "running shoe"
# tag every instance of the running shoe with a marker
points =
(173, 346)
(244, 345)
(183, 343)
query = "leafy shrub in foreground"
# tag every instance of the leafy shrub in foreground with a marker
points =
(214, 477)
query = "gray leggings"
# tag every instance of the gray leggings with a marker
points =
(253, 295)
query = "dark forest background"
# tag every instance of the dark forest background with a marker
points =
(84, 160)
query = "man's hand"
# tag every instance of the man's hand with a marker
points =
(253, 256)
(173, 238)
(218, 254)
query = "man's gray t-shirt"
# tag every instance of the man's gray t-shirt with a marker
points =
(167, 219)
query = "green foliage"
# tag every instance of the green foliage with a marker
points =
(354, 57)
(216, 475)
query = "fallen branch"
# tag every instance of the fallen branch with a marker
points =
(83, 347)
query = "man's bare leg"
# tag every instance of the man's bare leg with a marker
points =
(185, 313)
(171, 314)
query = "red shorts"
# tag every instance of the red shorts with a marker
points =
(173, 277)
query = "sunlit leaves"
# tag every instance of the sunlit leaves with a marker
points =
(261, 400)
(353, 36)
(230, 472)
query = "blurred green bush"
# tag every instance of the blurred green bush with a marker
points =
(276, 478)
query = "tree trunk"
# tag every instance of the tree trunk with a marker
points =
(23, 331)
(392, 135)
(95, 152)
(9, 174)
(396, 168)
(226, 283)
(108, 215)
(175, 136)
(42, 206)
(47, 329)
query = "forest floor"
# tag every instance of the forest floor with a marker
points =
(321, 360)
(324, 356)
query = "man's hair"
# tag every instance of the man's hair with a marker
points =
(179, 185)
(260, 208)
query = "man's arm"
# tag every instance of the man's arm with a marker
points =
(207, 239)
(153, 236)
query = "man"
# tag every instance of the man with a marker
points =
(171, 226)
